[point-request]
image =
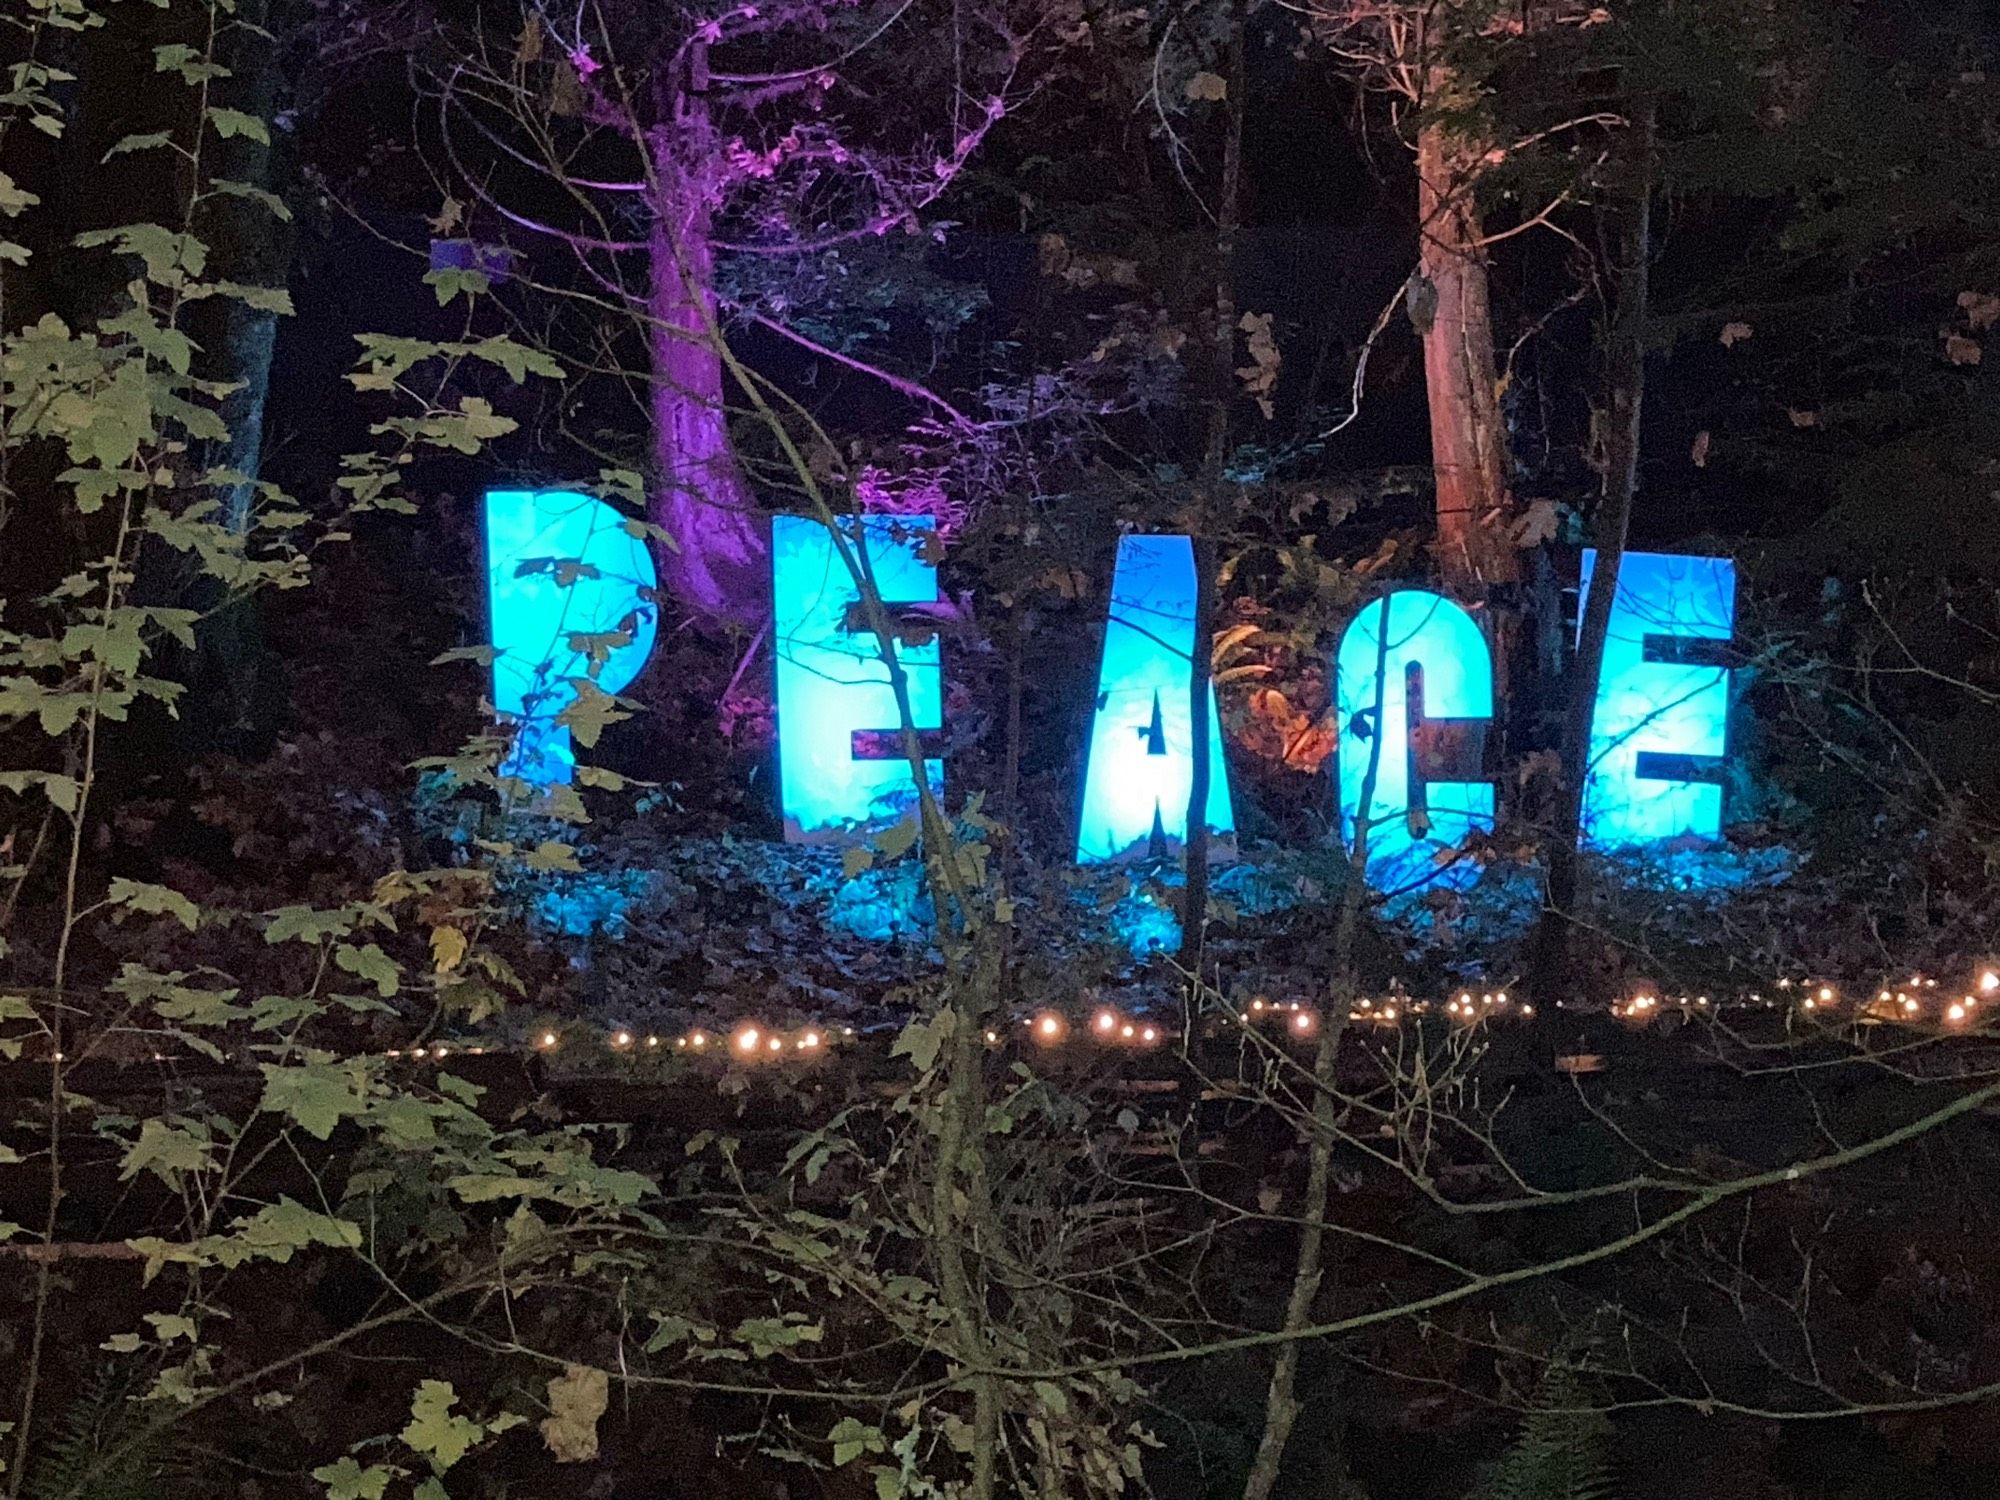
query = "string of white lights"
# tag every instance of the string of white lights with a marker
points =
(1913, 1002)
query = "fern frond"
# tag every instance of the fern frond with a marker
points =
(1564, 1449)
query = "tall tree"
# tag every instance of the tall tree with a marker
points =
(721, 134)
(1422, 55)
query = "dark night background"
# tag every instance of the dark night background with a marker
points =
(1770, 228)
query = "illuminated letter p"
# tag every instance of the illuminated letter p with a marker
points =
(569, 590)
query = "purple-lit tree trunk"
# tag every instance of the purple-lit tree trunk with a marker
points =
(718, 563)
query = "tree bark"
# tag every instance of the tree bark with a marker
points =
(1194, 833)
(1468, 439)
(718, 563)
(1625, 349)
(1194, 903)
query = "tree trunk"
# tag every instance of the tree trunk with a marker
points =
(718, 563)
(1625, 349)
(234, 703)
(1194, 903)
(1468, 440)
(1194, 833)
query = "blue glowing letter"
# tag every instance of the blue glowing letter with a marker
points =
(1657, 734)
(1413, 823)
(567, 585)
(832, 684)
(1141, 769)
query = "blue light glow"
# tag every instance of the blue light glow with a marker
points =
(832, 684)
(1660, 717)
(1412, 826)
(1141, 768)
(564, 579)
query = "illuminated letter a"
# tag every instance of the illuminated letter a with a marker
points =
(1141, 770)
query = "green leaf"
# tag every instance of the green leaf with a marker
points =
(852, 1438)
(14, 199)
(229, 188)
(303, 924)
(518, 360)
(347, 1480)
(485, 1188)
(451, 281)
(230, 123)
(485, 656)
(149, 140)
(551, 854)
(921, 1040)
(270, 299)
(765, 1336)
(434, 1431)
(896, 841)
(591, 712)
(277, 1230)
(369, 962)
(169, 258)
(466, 1093)
(166, 1150)
(170, 1326)
(317, 1096)
(64, 791)
(154, 900)
(448, 947)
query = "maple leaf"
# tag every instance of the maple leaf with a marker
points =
(577, 1398)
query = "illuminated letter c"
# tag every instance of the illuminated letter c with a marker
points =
(1413, 825)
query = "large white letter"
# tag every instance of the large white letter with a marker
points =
(569, 591)
(1413, 825)
(832, 682)
(1140, 775)
(1659, 730)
